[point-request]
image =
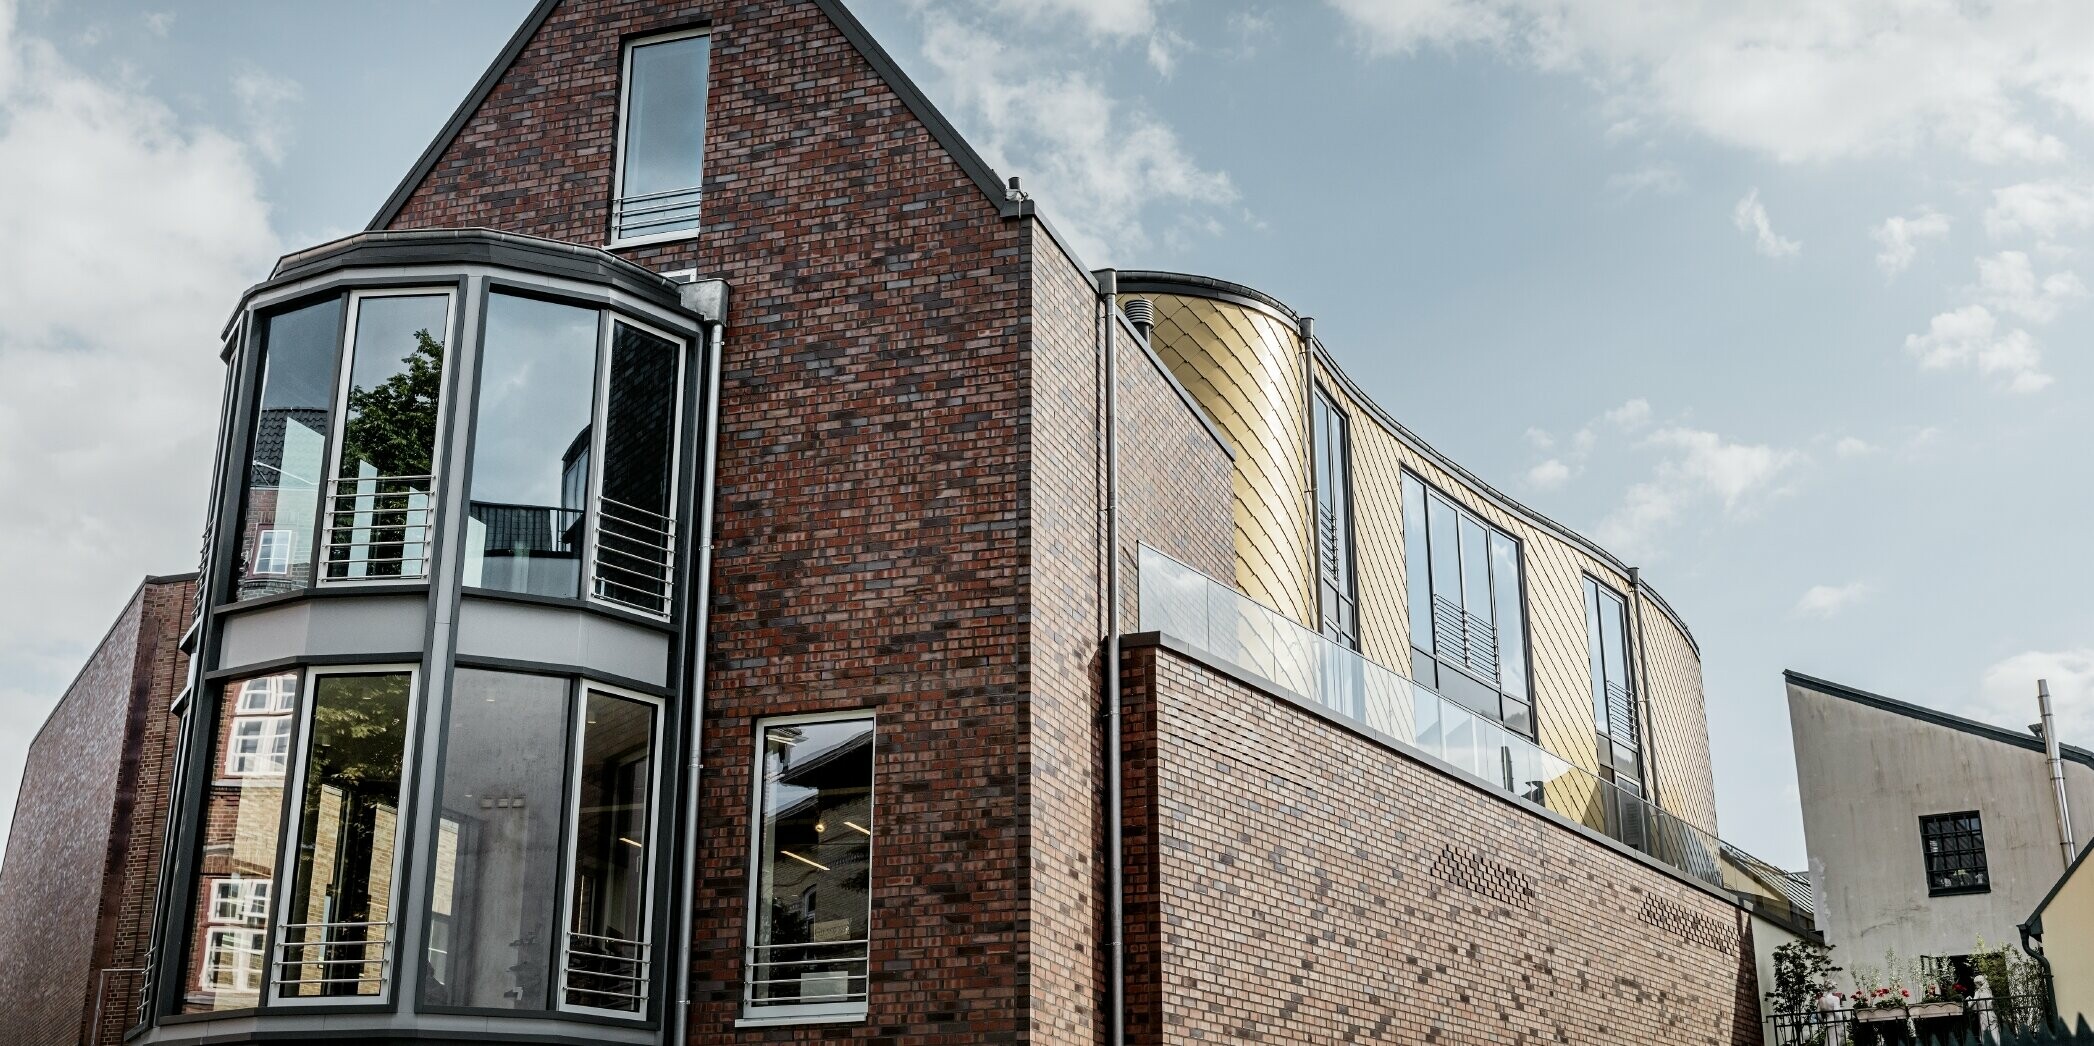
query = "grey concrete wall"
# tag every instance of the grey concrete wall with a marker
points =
(1867, 774)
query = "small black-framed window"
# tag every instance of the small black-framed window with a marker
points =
(1954, 848)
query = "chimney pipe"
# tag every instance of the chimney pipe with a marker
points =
(1141, 312)
(2057, 771)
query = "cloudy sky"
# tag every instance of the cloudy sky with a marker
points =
(1779, 300)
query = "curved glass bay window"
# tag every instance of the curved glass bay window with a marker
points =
(1468, 622)
(811, 907)
(574, 437)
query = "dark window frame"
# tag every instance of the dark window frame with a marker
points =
(1343, 577)
(1526, 635)
(1959, 840)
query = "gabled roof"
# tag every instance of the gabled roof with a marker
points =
(2017, 738)
(882, 64)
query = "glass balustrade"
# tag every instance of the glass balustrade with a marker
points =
(1232, 628)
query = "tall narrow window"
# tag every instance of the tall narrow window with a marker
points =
(661, 140)
(1330, 452)
(1467, 610)
(378, 514)
(609, 950)
(287, 448)
(336, 939)
(242, 809)
(812, 903)
(1614, 710)
(531, 440)
(491, 927)
(636, 528)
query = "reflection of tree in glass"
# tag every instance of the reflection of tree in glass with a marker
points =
(357, 741)
(392, 425)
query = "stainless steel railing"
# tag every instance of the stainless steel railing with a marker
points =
(607, 973)
(1237, 630)
(808, 974)
(377, 528)
(659, 212)
(635, 556)
(312, 958)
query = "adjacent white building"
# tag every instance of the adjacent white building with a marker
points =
(1926, 830)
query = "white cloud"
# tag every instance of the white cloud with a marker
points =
(1824, 601)
(264, 98)
(1540, 438)
(1698, 468)
(1799, 80)
(1549, 475)
(1971, 337)
(1122, 19)
(2007, 691)
(2007, 282)
(1104, 171)
(2042, 209)
(1899, 236)
(159, 22)
(1633, 414)
(1751, 216)
(1853, 447)
(126, 236)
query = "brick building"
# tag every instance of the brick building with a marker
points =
(737, 576)
(83, 855)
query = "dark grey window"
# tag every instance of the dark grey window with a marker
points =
(1330, 451)
(287, 450)
(1613, 687)
(379, 509)
(1467, 613)
(636, 529)
(661, 141)
(531, 441)
(1954, 848)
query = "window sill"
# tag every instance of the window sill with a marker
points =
(656, 240)
(849, 1013)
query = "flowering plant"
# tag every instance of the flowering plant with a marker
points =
(1946, 991)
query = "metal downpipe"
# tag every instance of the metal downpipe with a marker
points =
(2056, 764)
(716, 313)
(1115, 791)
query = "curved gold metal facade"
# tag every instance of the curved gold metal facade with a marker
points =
(1240, 357)
(1244, 366)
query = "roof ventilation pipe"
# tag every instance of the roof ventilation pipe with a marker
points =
(1141, 312)
(2057, 770)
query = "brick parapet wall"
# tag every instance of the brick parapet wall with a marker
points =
(1296, 882)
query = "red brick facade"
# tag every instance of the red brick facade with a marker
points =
(83, 857)
(1294, 882)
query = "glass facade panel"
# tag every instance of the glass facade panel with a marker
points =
(662, 155)
(1614, 698)
(379, 509)
(1512, 637)
(608, 949)
(338, 927)
(531, 446)
(286, 456)
(243, 806)
(1337, 602)
(813, 905)
(636, 531)
(491, 928)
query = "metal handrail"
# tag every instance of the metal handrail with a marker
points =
(634, 555)
(359, 530)
(281, 978)
(636, 982)
(1231, 627)
(636, 215)
(854, 968)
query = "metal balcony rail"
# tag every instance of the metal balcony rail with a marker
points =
(1181, 602)
(635, 556)
(810, 974)
(607, 973)
(1465, 637)
(142, 1010)
(377, 528)
(129, 981)
(314, 958)
(650, 213)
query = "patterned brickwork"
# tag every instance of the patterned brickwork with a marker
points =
(1288, 893)
(83, 854)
